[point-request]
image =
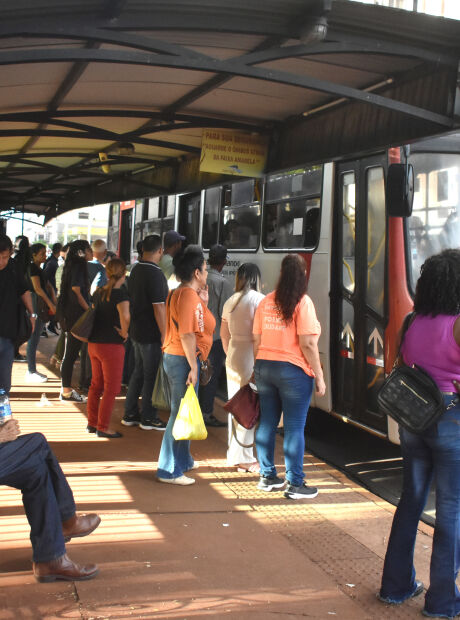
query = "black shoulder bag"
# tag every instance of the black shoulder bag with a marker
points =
(409, 395)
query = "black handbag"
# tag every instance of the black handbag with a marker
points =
(82, 329)
(161, 395)
(24, 326)
(410, 396)
(42, 309)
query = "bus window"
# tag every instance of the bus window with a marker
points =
(211, 216)
(139, 215)
(189, 217)
(138, 235)
(292, 221)
(240, 227)
(376, 225)
(240, 224)
(113, 228)
(153, 208)
(152, 227)
(348, 230)
(294, 224)
(295, 183)
(434, 225)
(160, 214)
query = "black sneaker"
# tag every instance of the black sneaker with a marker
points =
(130, 421)
(20, 358)
(153, 425)
(270, 484)
(300, 492)
(213, 421)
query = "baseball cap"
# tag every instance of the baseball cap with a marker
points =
(217, 254)
(171, 237)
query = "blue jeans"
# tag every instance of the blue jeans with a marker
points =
(433, 454)
(207, 393)
(32, 345)
(28, 464)
(283, 387)
(6, 363)
(175, 458)
(147, 359)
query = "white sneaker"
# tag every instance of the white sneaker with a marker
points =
(182, 480)
(36, 377)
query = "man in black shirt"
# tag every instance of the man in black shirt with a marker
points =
(13, 290)
(148, 290)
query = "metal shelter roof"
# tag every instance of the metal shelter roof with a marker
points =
(140, 79)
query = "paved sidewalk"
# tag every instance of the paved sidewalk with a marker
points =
(220, 548)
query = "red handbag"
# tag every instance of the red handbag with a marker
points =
(244, 406)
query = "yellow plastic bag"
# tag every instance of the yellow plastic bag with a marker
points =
(189, 423)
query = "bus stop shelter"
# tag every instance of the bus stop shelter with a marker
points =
(106, 100)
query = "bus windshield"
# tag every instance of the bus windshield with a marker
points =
(435, 221)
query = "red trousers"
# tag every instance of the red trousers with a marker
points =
(107, 370)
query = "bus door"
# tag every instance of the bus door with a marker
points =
(125, 240)
(357, 292)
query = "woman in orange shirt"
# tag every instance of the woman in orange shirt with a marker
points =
(189, 329)
(286, 333)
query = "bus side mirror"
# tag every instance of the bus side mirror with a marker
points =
(400, 190)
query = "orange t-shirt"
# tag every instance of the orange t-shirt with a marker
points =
(186, 314)
(280, 342)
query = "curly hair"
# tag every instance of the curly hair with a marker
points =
(291, 287)
(438, 288)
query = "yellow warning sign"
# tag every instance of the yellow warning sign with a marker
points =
(233, 152)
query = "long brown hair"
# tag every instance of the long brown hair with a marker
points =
(291, 287)
(115, 269)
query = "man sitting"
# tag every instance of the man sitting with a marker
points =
(27, 463)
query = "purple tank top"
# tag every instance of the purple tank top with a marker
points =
(429, 343)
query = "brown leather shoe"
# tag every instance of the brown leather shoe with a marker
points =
(63, 569)
(80, 525)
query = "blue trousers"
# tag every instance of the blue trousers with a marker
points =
(147, 359)
(32, 345)
(286, 388)
(6, 363)
(433, 454)
(207, 393)
(28, 464)
(175, 458)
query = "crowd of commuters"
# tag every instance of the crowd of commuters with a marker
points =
(174, 311)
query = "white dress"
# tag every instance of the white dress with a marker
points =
(239, 365)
